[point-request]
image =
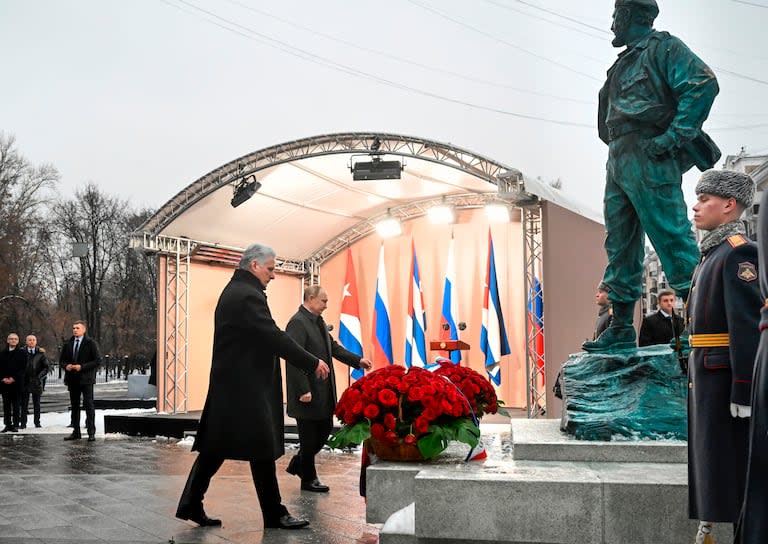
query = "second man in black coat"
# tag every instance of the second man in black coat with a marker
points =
(311, 401)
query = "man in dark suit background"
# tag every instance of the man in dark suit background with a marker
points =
(34, 380)
(662, 326)
(82, 358)
(12, 365)
(311, 401)
(243, 414)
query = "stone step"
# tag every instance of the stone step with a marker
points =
(513, 501)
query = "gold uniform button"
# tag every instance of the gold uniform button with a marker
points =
(690, 385)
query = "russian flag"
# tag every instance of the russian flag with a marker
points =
(416, 322)
(382, 333)
(536, 326)
(449, 314)
(493, 336)
(350, 332)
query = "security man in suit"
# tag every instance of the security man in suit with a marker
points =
(662, 326)
(81, 358)
(311, 401)
(723, 317)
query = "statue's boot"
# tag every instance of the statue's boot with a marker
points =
(620, 334)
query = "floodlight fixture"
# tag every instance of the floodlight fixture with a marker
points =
(244, 190)
(375, 169)
(497, 213)
(389, 227)
(441, 214)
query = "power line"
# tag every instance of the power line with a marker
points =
(495, 38)
(560, 15)
(251, 34)
(408, 61)
(750, 3)
(540, 18)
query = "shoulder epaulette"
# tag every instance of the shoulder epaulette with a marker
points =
(737, 240)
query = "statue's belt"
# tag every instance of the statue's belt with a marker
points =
(622, 129)
(714, 340)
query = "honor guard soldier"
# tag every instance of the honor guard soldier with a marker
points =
(723, 317)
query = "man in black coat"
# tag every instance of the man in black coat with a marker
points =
(662, 326)
(34, 380)
(81, 358)
(243, 414)
(723, 315)
(312, 401)
(753, 524)
(12, 365)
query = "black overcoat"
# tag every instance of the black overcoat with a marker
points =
(725, 298)
(657, 329)
(37, 370)
(88, 357)
(310, 332)
(243, 414)
(13, 362)
(753, 526)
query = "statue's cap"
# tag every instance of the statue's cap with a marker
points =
(727, 184)
(650, 4)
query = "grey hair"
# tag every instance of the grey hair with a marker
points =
(256, 252)
(312, 291)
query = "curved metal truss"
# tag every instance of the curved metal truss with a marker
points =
(318, 146)
(510, 189)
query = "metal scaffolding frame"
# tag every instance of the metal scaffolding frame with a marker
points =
(510, 189)
(175, 356)
(535, 362)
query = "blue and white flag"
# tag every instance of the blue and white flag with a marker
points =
(416, 321)
(493, 336)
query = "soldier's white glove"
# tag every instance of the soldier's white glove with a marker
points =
(704, 534)
(739, 410)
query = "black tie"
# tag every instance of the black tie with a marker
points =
(76, 350)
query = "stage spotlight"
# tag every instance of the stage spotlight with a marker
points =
(376, 169)
(497, 213)
(441, 214)
(389, 227)
(245, 190)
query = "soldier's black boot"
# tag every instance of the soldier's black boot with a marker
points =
(620, 334)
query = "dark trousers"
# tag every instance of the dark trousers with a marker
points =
(11, 405)
(264, 479)
(313, 433)
(75, 390)
(25, 407)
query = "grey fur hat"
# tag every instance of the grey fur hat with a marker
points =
(728, 184)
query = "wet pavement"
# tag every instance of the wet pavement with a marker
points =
(124, 490)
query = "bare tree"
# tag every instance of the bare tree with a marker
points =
(25, 191)
(97, 221)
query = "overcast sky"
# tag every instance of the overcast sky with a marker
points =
(145, 96)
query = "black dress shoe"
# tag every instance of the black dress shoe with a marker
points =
(37, 425)
(14, 429)
(5, 429)
(286, 522)
(315, 485)
(198, 516)
(91, 438)
(73, 436)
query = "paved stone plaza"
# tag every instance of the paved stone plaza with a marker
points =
(124, 490)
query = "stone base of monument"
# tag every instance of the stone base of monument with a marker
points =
(538, 486)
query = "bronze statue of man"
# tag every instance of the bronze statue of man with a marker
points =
(656, 97)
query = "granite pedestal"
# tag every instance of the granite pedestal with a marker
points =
(537, 486)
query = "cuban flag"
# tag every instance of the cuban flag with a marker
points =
(449, 314)
(416, 322)
(493, 336)
(350, 332)
(536, 326)
(382, 333)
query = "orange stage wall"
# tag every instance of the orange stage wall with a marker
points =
(471, 242)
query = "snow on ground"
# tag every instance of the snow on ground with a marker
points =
(56, 422)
